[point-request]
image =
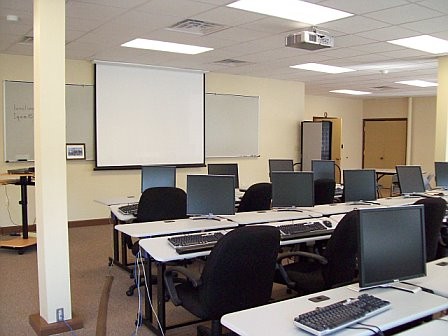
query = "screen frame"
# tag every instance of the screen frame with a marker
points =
(319, 164)
(346, 176)
(146, 171)
(364, 281)
(287, 179)
(441, 169)
(402, 168)
(224, 169)
(193, 196)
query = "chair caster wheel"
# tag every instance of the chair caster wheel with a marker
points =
(129, 292)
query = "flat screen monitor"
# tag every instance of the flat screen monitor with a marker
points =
(280, 165)
(158, 176)
(292, 189)
(224, 169)
(441, 170)
(323, 169)
(359, 185)
(410, 179)
(391, 244)
(210, 195)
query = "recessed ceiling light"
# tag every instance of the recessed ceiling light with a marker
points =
(165, 46)
(351, 92)
(425, 43)
(296, 10)
(321, 68)
(418, 83)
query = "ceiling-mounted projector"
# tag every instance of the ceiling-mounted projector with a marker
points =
(309, 40)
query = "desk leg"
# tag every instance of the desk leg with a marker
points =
(24, 203)
(161, 267)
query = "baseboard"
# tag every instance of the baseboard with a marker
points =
(6, 230)
(42, 328)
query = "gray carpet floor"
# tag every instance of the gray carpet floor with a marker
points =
(90, 248)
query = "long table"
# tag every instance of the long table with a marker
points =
(436, 280)
(162, 253)
(277, 318)
(23, 180)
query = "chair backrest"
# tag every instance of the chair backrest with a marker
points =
(239, 271)
(324, 190)
(162, 203)
(435, 208)
(257, 197)
(342, 251)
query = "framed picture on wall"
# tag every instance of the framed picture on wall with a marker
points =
(76, 151)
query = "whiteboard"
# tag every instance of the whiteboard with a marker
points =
(18, 114)
(231, 125)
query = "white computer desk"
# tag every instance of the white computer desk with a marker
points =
(342, 208)
(162, 253)
(436, 279)
(277, 318)
(269, 216)
(438, 327)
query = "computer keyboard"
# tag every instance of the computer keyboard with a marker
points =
(194, 242)
(129, 209)
(299, 230)
(328, 319)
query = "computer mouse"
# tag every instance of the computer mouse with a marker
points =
(327, 223)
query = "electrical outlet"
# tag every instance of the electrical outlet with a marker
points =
(60, 314)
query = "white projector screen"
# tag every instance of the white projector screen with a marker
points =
(148, 116)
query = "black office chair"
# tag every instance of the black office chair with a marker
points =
(324, 190)
(435, 208)
(334, 268)
(238, 274)
(156, 204)
(257, 197)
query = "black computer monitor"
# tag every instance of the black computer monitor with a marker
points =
(292, 189)
(210, 195)
(158, 176)
(224, 169)
(280, 165)
(410, 179)
(323, 169)
(359, 185)
(391, 244)
(441, 172)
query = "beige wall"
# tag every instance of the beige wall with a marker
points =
(281, 110)
(283, 105)
(421, 114)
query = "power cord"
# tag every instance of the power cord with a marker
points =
(139, 259)
(72, 332)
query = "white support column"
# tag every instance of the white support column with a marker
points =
(50, 162)
(441, 143)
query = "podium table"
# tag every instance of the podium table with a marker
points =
(23, 180)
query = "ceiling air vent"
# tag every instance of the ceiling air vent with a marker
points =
(384, 88)
(196, 27)
(28, 40)
(231, 62)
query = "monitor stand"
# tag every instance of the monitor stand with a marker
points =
(291, 208)
(397, 285)
(361, 202)
(208, 217)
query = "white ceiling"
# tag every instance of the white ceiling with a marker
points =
(95, 29)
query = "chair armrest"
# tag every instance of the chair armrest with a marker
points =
(282, 271)
(170, 273)
(314, 256)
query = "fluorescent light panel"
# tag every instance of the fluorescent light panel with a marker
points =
(351, 92)
(140, 43)
(418, 83)
(321, 68)
(295, 10)
(425, 43)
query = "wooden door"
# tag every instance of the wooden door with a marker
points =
(384, 145)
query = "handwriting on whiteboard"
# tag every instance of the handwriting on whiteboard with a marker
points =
(23, 112)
